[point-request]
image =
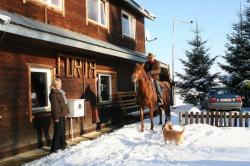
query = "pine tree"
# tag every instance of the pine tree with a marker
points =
(197, 80)
(237, 54)
(247, 29)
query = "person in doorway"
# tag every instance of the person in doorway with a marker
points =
(153, 69)
(41, 123)
(59, 111)
(34, 100)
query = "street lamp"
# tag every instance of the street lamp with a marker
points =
(173, 46)
(151, 39)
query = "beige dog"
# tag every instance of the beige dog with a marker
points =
(170, 134)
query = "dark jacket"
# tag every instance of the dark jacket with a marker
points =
(153, 69)
(58, 106)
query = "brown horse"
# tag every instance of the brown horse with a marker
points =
(147, 96)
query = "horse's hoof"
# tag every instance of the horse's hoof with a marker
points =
(142, 130)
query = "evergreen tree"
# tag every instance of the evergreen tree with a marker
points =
(237, 54)
(247, 28)
(197, 80)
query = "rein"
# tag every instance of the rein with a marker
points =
(145, 76)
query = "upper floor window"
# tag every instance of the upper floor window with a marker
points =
(98, 11)
(55, 4)
(128, 25)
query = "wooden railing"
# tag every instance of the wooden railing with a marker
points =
(220, 119)
(127, 101)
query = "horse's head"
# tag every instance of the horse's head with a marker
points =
(138, 72)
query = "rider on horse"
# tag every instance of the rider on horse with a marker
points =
(153, 69)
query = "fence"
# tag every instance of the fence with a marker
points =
(127, 101)
(220, 119)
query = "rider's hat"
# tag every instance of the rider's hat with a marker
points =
(150, 55)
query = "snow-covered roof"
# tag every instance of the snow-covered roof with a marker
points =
(140, 9)
(4, 19)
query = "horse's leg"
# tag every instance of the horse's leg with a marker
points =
(142, 118)
(160, 114)
(151, 118)
(167, 112)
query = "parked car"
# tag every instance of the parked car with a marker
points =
(222, 99)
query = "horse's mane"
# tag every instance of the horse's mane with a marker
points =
(144, 73)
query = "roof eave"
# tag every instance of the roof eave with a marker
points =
(140, 9)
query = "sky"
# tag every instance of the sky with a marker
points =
(203, 145)
(215, 18)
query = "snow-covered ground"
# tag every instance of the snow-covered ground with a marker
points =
(204, 145)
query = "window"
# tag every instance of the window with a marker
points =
(55, 4)
(98, 11)
(128, 25)
(40, 82)
(104, 87)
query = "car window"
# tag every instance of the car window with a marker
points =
(220, 91)
(212, 92)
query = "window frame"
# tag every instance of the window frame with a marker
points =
(99, 87)
(130, 16)
(49, 5)
(49, 79)
(106, 3)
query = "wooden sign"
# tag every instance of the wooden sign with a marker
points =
(75, 67)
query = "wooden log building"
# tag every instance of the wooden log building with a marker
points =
(92, 45)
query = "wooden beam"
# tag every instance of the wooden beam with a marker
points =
(191, 118)
(202, 117)
(216, 118)
(212, 118)
(235, 120)
(246, 119)
(240, 120)
(186, 118)
(207, 117)
(230, 119)
(197, 118)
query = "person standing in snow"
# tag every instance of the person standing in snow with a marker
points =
(59, 111)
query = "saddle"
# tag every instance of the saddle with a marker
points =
(162, 85)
